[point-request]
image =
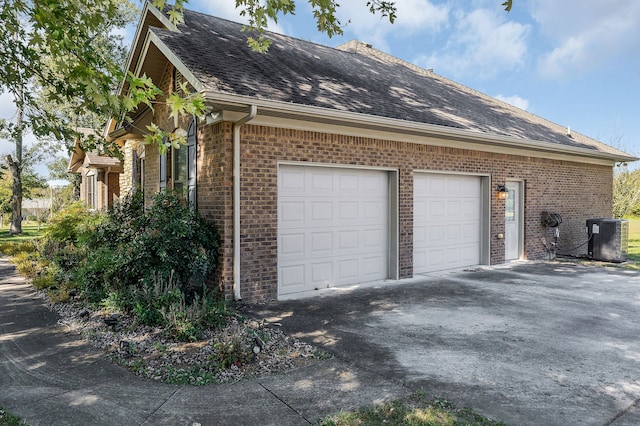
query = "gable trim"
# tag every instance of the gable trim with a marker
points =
(137, 38)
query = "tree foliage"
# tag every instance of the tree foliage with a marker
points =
(626, 192)
(66, 49)
(31, 183)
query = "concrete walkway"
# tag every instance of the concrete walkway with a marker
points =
(529, 344)
(51, 377)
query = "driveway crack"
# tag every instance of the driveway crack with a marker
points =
(285, 403)
(623, 412)
(160, 406)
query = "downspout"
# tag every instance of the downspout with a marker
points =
(236, 199)
(105, 186)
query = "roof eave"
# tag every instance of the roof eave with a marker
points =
(401, 126)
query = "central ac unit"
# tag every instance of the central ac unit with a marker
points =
(608, 239)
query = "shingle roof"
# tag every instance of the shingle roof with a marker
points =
(98, 161)
(355, 78)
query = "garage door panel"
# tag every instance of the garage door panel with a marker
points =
(319, 181)
(348, 211)
(348, 271)
(348, 182)
(320, 213)
(372, 239)
(343, 218)
(292, 181)
(434, 259)
(292, 244)
(291, 278)
(372, 183)
(449, 208)
(373, 212)
(292, 212)
(436, 234)
(420, 235)
(436, 208)
(373, 266)
(470, 209)
(419, 259)
(321, 274)
(347, 241)
(321, 243)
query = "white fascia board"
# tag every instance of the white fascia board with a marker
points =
(421, 133)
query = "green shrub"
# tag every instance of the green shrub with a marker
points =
(168, 238)
(70, 224)
(121, 224)
(187, 321)
(45, 278)
(28, 263)
(13, 248)
(151, 263)
(232, 349)
(155, 296)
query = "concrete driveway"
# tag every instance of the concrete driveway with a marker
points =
(533, 343)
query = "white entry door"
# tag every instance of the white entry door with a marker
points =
(333, 226)
(512, 222)
(447, 212)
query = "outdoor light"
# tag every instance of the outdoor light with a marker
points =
(503, 194)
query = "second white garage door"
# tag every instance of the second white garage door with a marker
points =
(332, 227)
(447, 221)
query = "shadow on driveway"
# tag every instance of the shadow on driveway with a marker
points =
(533, 343)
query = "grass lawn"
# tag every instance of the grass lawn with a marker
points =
(634, 240)
(8, 419)
(29, 231)
(413, 411)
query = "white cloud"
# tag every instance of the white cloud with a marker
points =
(514, 100)
(412, 16)
(482, 43)
(586, 34)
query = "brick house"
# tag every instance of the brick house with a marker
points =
(327, 167)
(100, 175)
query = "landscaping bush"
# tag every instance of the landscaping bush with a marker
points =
(151, 263)
(70, 224)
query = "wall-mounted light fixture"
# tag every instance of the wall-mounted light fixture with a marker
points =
(503, 194)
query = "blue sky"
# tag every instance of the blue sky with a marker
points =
(574, 62)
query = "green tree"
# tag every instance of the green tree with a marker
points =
(57, 56)
(32, 184)
(626, 191)
(66, 194)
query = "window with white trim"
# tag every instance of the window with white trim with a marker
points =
(178, 167)
(184, 167)
(91, 193)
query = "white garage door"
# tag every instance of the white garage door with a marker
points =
(332, 227)
(447, 221)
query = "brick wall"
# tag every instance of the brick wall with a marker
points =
(215, 193)
(127, 177)
(576, 191)
(113, 188)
